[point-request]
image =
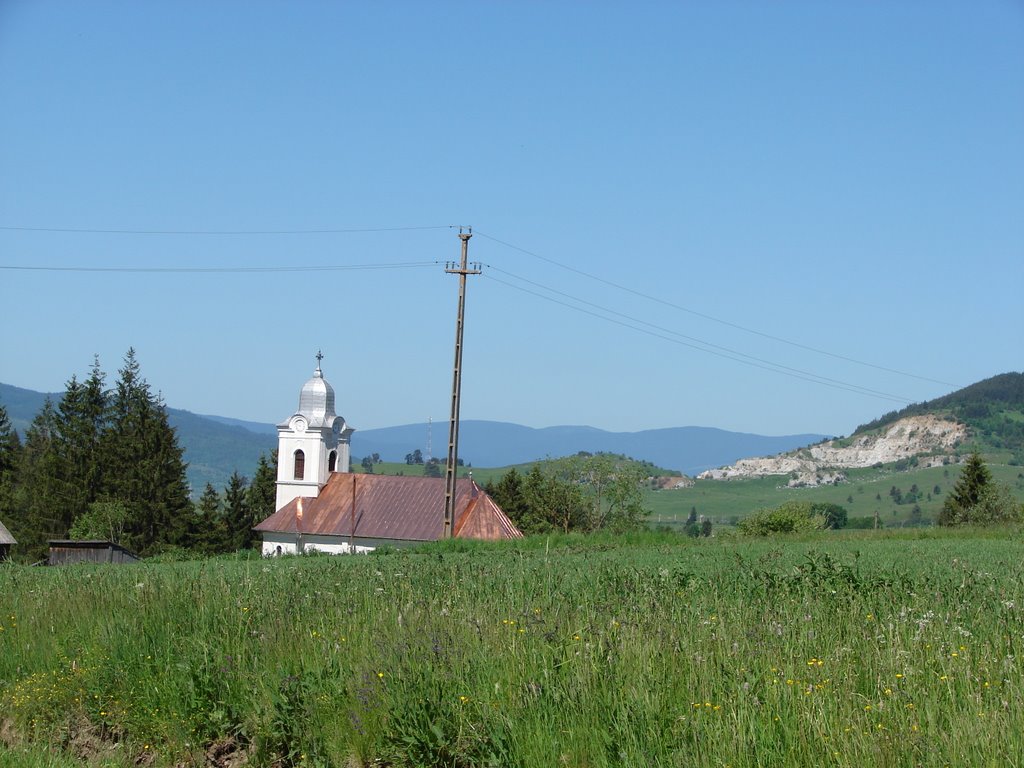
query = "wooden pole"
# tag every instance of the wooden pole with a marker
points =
(453, 428)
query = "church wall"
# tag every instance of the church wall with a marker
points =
(331, 545)
(316, 450)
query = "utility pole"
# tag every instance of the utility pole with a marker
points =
(430, 429)
(462, 269)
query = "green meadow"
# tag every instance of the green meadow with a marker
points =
(865, 491)
(724, 501)
(839, 649)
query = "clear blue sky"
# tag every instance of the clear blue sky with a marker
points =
(844, 176)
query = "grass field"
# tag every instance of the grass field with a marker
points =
(725, 500)
(882, 649)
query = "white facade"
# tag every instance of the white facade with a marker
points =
(312, 443)
(279, 544)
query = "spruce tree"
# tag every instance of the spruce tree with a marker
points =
(10, 445)
(508, 494)
(37, 501)
(81, 419)
(237, 514)
(10, 458)
(143, 465)
(974, 479)
(208, 530)
(977, 499)
(262, 495)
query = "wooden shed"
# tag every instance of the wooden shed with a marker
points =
(69, 552)
(6, 540)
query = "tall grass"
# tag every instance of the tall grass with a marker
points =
(841, 651)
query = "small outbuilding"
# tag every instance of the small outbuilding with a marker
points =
(6, 541)
(69, 552)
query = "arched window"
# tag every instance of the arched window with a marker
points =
(332, 461)
(300, 465)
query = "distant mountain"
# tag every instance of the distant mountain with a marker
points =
(259, 427)
(22, 405)
(214, 450)
(499, 444)
(215, 446)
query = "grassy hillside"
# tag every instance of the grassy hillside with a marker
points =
(483, 475)
(993, 409)
(724, 501)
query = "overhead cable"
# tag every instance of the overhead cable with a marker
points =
(222, 231)
(702, 346)
(225, 270)
(719, 320)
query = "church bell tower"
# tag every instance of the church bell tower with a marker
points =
(312, 443)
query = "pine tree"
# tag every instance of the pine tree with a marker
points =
(81, 419)
(10, 458)
(509, 495)
(977, 499)
(237, 514)
(208, 530)
(37, 501)
(143, 465)
(262, 495)
(967, 492)
(10, 445)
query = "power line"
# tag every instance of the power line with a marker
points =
(200, 232)
(738, 357)
(224, 270)
(710, 345)
(719, 320)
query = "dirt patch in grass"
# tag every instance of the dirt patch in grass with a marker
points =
(226, 753)
(8, 733)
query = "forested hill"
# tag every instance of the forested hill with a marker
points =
(992, 408)
(213, 449)
(215, 446)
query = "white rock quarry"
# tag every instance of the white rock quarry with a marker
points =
(901, 440)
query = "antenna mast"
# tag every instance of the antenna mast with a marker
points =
(462, 269)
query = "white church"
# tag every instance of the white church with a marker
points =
(322, 505)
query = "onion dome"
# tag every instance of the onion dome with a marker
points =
(316, 401)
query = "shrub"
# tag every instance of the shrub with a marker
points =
(791, 517)
(977, 499)
(834, 514)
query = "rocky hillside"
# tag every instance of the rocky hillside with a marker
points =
(990, 413)
(822, 464)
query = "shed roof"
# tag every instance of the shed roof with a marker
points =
(5, 535)
(388, 507)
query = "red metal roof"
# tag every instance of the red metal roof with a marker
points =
(388, 507)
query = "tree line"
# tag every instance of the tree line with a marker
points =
(586, 492)
(105, 464)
